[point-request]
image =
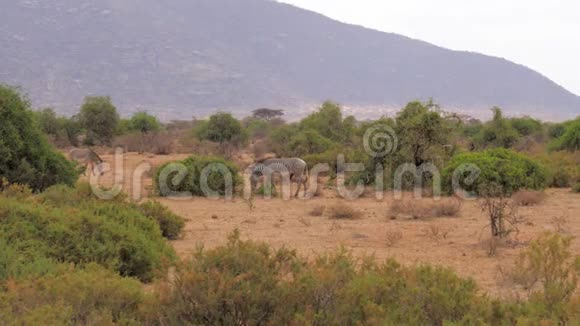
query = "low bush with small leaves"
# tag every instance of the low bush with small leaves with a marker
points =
(422, 209)
(447, 207)
(548, 271)
(436, 232)
(90, 296)
(512, 171)
(344, 212)
(576, 188)
(408, 208)
(393, 237)
(250, 283)
(68, 226)
(171, 224)
(158, 143)
(187, 176)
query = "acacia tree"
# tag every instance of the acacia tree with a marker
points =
(25, 155)
(99, 118)
(267, 114)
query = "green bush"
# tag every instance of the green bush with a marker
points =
(506, 168)
(576, 188)
(93, 296)
(308, 142)
(257, 128)
(329, 123)
(563, 167)
(561, 179)
(498, 132)
(25, 155)
(570, 140)
(191, 180)
(115, 235)
(527, 126)
(280, 138)
(247, 283)
(222, 127)
(171, 224)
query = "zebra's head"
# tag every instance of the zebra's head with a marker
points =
(255, 175)
(256, 172)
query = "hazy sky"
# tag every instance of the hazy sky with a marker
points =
(543, 35)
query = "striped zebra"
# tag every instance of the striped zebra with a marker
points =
(87, 157)
(296, 169)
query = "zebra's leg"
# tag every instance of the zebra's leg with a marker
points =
(305, 183)
(298, 183)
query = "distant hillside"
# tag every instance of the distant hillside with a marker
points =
(190, 57)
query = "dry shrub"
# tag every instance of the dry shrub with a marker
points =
(161, 143)
(501, 212)
(205, 148)
(447, 207)
(560, 223)
(344, 212)
(318, 211)
(414, 209)
(418, 209)
(436, 232)
(528, 197)
(393, 237)
(548, 271)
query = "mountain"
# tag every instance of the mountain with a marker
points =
(180, 58)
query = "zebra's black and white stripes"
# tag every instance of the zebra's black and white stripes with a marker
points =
(295, 168)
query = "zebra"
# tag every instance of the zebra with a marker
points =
(296, 168)
(87, 157)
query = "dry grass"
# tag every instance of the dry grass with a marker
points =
(560, 223)
(447, 207)
(393, 237)
(408, 208)
(420, 209)
(157, 143)
(436, 233)
(528, 197)
(344, 212)
(318, 211)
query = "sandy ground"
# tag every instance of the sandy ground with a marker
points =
(288, 223)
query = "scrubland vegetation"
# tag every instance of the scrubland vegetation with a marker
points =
(68, 258)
